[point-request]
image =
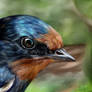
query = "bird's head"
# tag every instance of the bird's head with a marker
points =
(29, 45)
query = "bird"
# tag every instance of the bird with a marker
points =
(27, 46)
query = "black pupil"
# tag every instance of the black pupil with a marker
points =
(28, 43)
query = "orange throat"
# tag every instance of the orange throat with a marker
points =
(27, 69)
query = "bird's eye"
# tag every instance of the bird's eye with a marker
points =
(7, 86)
(27, 43)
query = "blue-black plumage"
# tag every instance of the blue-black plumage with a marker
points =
(27, 46)
(17, 26)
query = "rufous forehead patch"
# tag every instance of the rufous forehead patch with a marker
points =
(53, 40)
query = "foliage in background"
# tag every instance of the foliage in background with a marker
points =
(57, 13)
(85, 8)
(84, 88)
(88, 59)
(51, 84)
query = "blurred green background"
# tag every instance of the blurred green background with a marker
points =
(57, 13)
(71, 18)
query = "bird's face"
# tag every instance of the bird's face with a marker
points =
(31, 45)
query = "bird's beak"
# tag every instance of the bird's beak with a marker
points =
(61, 54)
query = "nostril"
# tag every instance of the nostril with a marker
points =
(59, 52)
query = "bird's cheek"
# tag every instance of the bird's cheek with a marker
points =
(27, 69)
